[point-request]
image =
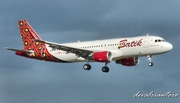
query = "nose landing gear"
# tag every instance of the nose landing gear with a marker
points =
(149, 59)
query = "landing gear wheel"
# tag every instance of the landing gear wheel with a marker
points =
(150, 64)
(149, 59)
(87, 67)
(105, 69)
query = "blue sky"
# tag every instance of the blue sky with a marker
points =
(25, 80)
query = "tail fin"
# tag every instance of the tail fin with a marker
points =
(29, 37)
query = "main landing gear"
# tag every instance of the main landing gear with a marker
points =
(105, 69)
(149, 59)
(87, 67)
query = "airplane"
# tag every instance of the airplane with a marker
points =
(124, 51)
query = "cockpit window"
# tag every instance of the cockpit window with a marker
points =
(160, 40)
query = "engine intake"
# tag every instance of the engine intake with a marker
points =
(104, 56)
(133, 61)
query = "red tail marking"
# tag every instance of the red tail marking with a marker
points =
(28, 36)
(22, 54)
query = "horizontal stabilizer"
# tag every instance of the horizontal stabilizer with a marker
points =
(12, 49)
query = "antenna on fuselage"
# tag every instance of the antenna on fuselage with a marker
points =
(147, 34)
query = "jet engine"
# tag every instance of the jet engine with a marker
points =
(133, 61)
(104, 56)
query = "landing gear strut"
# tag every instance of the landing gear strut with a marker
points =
(87, 66)
(149, 59)
(105, 69)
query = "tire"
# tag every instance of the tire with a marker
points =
(150, 64)
(87, 67)
(105, 69)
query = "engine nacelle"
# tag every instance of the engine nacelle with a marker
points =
(128, 61)
(103, 56)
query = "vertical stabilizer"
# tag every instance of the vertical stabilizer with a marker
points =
(29, 37)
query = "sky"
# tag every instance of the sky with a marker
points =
(25, 80)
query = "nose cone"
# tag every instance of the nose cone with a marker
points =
(169, 46)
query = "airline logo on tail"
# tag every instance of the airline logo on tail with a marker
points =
(37, 50)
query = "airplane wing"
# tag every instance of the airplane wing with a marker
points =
(78, 51)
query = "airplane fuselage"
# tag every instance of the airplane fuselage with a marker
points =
(120, 47)
(123, 51)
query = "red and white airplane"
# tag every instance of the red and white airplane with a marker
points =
(123, 51)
